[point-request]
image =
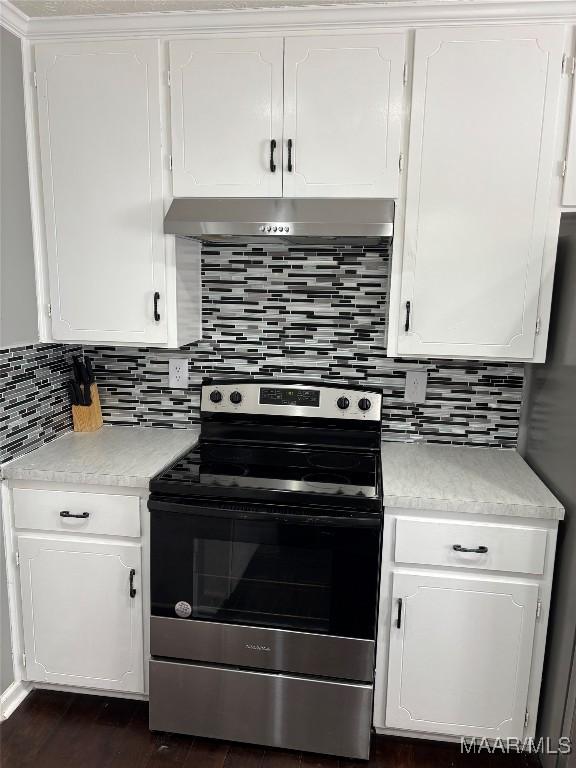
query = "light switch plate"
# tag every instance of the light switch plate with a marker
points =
(178, 373)
(415, 390)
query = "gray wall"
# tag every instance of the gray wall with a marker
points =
(548, 443)
(18, 313)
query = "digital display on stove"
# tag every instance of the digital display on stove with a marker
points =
(307, 397)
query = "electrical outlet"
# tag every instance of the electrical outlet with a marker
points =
(415, 390)
(178, 373)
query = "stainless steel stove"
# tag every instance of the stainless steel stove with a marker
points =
(265, 543)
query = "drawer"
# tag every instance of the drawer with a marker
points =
(509, 547)
(101, 513)
(300, 713)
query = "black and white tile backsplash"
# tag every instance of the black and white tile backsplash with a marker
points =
(287, 313)
(315, 313)
(34, 405)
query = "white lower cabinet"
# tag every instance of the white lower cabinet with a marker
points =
(82, 612)
(460, 654)
(463, 614)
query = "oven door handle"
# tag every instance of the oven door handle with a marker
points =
(328, 521)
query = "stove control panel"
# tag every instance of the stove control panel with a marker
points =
(290, 396)
(327, 402)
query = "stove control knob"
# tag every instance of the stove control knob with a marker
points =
(364, 404)
(342, 403)
(215, 396)
(235, 397)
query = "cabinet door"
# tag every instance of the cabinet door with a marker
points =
(226, 97)
(99, 123)
(459, 663)
(343, 112)
(81, 625)
(480, 164)
(569, 190)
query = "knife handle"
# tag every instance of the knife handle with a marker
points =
(89, 369)
(71, 392)
(77, 367)
(77, 393)
(87, 395)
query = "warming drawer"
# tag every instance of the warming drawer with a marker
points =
(261, 708)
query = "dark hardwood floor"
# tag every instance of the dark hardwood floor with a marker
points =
(61, 730)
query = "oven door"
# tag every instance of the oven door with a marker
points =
(264, 589)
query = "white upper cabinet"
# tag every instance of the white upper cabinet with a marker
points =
(343, 108)
(226, 101)
(101, 153)
(460, 655)
(480, 165)
(300, 117)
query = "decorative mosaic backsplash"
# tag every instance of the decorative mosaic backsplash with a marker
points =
(34, 405)
(314, 313)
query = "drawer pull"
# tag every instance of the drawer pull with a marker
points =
(399, 614)
(82, 515)
(481, 550)
(132, 587)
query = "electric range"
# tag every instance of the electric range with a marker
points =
(265, 550)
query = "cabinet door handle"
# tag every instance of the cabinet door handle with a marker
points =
(407, 321)
(156, 300)
(290, 167)
(132, 587)
(481, 550)
(272, 150)
(82, 515)
(399, 614)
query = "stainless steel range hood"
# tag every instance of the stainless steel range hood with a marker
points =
(287, 220)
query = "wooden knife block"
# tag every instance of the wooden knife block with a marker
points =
(88, 418)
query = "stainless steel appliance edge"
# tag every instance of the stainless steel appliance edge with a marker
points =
(281, 650)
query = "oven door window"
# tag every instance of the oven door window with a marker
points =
(311, 578)
(270, 584)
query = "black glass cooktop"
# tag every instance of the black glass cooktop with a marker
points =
(252, 473)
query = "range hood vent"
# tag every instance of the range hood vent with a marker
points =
(339, 221)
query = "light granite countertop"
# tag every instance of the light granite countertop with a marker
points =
(414, 475)
(120, 456)
(459, 479)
